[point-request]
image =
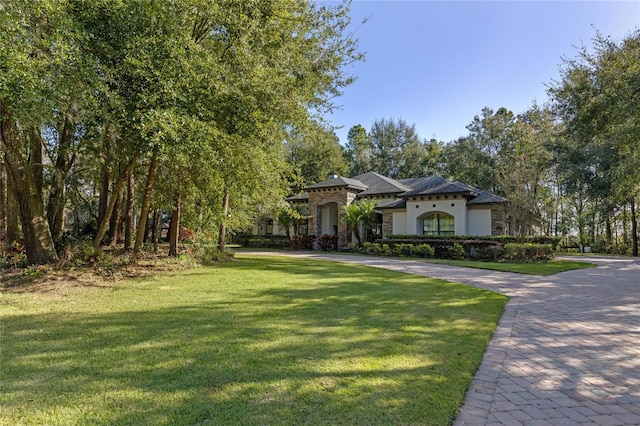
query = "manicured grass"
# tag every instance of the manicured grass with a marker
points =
(541, 268)
(256, 341)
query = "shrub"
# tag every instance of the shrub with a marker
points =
(492, 253)
(92, 254)
(13, 255)
(328, 242)
(456, 251)
(302, 242)
(266, 241)
(424, 250)
(504, 239)
(404, 249)
(528, 252)
(209, 254)
(367, 248)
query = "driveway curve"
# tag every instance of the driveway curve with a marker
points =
(566, 350)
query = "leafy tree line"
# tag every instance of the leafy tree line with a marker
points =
(112, 112)
(573, 162)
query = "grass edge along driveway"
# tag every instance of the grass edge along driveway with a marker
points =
(254, 341)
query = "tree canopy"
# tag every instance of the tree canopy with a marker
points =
(192, 97)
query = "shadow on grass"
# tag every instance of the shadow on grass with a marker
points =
(326, 344)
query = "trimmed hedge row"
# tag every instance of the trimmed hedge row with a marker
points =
(528, 252)
(504, 239)
(485, 250)
(452, 248)
(271, 241)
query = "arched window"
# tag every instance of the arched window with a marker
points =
(438, 224)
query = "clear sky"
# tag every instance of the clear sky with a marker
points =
(436, 64)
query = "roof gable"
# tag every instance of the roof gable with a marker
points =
(339, 182)
(378, 184)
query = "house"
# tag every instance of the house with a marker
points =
(430, 205)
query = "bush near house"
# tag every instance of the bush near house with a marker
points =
(504, 239)
(528, 252)
(458, 249)
(302, 242)
(328, 242)
(450, 248)
(264, 241)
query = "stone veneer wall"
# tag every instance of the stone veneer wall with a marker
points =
(498, 222)
(321, 196)
(387, 223)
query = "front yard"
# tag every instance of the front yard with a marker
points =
(254, 341)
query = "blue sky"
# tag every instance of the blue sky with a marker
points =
(436, 64)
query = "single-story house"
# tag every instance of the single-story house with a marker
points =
(430, 205)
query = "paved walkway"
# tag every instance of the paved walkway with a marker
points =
(566, 350)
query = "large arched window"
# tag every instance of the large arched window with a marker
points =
(438, 224)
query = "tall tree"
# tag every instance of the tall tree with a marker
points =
(398, 151)
(358, 151)
(314, 153)
(596, 99)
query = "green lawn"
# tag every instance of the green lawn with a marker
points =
(256, 341)
(539, 268)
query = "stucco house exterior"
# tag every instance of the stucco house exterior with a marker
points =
(430, 205)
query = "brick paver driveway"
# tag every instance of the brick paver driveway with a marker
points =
(566, 350)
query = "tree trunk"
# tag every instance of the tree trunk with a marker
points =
(146, 204)
(3, 196)
(13, 233)
(128, 224)
(103, 204)
(634, 227)
(35, 159)
(116, 218)
(174, 228)
(61, 167)
(35, 227)
(157, 217)
(104, 224)
(222, 235)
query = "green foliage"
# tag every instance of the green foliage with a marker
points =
(36, 271)
(597, 158)
(358, 151)
(204, 91)
(361, 213)
(208, 255)
(314, 153)
(424, 250)
(397, 150)
(457, 251)
(528, 252)
(288, 217)
(542, 239)
(266, 241)
(13, 255)
(407, 250)
(404, 249)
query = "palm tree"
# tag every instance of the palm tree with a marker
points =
(361, 212)
(350, 216)
(367, 210)
(286, 218)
